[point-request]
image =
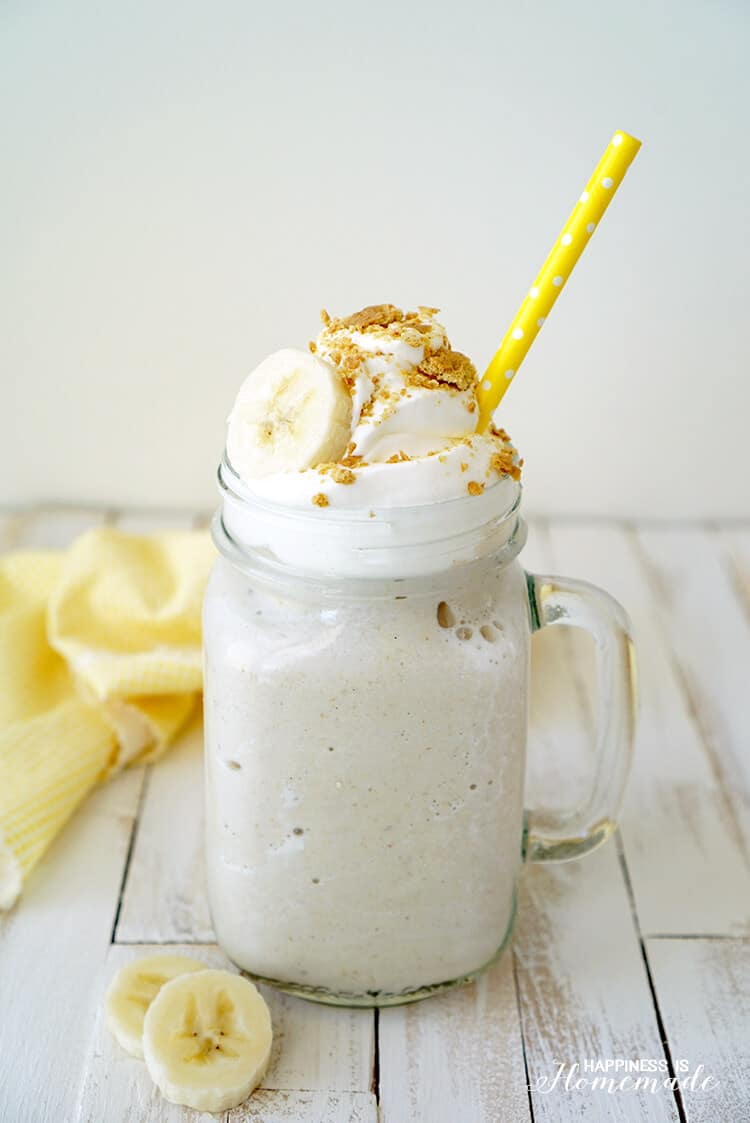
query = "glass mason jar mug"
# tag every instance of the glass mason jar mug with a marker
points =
(366, 695)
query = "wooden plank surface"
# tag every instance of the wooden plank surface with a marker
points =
(577, 985)
(708, 630)
(688, 867)
(575, 920)
(51, 947)
(165, 894)
(736, 543)
(703, 988)
(49, 528)
(457, 1056)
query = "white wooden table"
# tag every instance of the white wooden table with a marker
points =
(639, 951)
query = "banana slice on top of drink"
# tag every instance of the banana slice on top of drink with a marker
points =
(293, 412)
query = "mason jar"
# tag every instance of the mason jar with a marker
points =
(366, 701)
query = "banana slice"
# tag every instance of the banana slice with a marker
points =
(132, 991)
(293, 412)
(207, 1040)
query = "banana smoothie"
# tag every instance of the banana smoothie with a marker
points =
(367, 644)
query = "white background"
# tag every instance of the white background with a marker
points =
(184, 185)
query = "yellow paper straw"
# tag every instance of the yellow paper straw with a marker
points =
(573, 239)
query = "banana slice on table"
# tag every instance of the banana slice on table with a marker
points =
(293, 412)
(207, 1040)
(132, 991)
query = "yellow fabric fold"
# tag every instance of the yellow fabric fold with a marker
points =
(100, 667)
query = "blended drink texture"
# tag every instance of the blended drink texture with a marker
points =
(365, 784)
(365, 756)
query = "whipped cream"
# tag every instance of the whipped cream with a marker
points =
(413, 438)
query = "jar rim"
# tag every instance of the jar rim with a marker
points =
(252, 532)
(230, 483)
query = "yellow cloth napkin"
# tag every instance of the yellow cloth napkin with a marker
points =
(100, 666)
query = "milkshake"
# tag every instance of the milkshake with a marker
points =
(367, 655)
(366, 668)
(364, 781)
(366, 635)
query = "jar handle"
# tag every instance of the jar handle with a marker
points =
(560, 836)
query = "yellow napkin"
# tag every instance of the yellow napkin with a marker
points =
(100, 666)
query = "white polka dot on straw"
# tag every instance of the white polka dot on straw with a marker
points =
(486, 385)
(607, 182)
(591, 227)
(566, 239)
(533, 292)
(517, 333)
(617, 140)
(557, 281)
(509, 374)
(584, 197)
(540, 321)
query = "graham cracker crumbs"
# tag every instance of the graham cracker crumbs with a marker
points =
(411, 337)
(342, 475)
(325, 318)
(447, 367)
(471, 406)
(445, 616)
(375, 315)
(352, 461)
(464, 467)
(398, 457)
(424, 310)
(320, 500)
(474, 488)
(504, 465)
(313, 346)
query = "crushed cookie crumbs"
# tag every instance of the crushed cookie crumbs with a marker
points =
(320, 500)
(411, 337)
(447, 368)
(504, 465)
(342, 475)
(374, 315)
(441, 368)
